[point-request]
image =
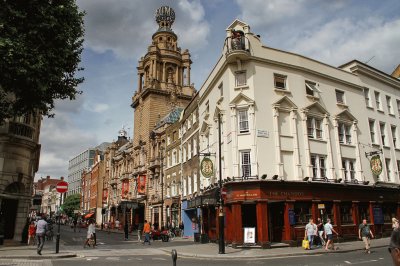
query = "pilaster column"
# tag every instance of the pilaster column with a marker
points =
(296, 153)
(306, 143)
(262, 226)
(188, 75)
(329, 147)
(359, 171)
(237, 236)
(234, 137)
(336, 216)
(338, 149)
(164, 71)
(289, 205)
(279, 165)
(177, 75)
(253, 145)
(354, 207)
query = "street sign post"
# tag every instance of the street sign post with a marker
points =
(61, 188)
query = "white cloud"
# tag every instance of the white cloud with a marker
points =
(126, 30)
(96, 107)
(340, 41)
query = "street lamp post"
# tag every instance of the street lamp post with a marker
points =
(221, 200)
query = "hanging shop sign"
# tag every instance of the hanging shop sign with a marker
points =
(376, 165)
(207, 167)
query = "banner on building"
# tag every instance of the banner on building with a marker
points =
(141, 184)
(105, 195)
(125, 189)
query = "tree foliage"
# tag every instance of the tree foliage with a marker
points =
(71, 203)
(40, 48)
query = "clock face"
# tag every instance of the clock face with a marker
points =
(207, 167)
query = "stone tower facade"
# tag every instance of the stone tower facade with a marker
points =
(163, 85)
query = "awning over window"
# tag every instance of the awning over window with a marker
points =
(87, 216)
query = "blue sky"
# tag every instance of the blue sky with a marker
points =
(117, 34)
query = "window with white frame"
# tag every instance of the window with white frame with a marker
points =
(280, 81)
(344, 133)
(348, 168)
(372, 130)
(240, 78)
(168, 139)
(243, 121)
(378, 100)
(388, 169)
(184, 192)
(194, 146)
(314, 127)
(189, 150)
(367, 97)
(311, 88)
(189, 185)
(398, 107)
(184, 154)
(382, 127)
(398, 168)
(389, 105)
(394, 135)
(318, 165)
(245, 163)
(174, 157)
(340, 97)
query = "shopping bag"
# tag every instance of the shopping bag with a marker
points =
(306, 244)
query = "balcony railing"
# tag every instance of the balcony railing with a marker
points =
(22, 130)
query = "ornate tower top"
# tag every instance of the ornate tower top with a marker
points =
(165, 17)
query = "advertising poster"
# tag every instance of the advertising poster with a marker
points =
(249, 235)
(142, 185)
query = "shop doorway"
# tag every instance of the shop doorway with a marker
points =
(249, 217)
(275, 221)
(9, 214)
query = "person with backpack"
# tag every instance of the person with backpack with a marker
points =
(365, 233)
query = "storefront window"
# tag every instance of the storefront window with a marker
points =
(327, 212)
(363, 211)
(346, 213)
(389, 211)
(302, 212)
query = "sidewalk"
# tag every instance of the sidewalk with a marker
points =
(210, 250)
(191, 249)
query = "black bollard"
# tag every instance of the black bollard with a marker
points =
(174, 256)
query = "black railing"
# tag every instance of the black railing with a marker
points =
(20, 130)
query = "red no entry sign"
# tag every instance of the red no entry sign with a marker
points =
(62, 187)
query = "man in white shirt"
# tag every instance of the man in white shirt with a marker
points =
(329, 235)
(41, 229)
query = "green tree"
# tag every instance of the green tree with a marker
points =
(40, 48)
(71, 203)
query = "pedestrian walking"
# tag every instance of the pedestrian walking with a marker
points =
(41, 230)
(394, 247)
(31, 233)
(75, 223)
(329, 234)
(126, 230)
(90, 234)
(140, 231)
(320, 228)
(117, 224)
(365, 233)
(146, 231)
(181, 228)
(310, 232)
(395, 223)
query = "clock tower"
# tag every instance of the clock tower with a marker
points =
(163, 85)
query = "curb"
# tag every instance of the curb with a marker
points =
(233, 257)
(40, 257)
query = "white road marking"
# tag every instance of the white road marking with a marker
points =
(158, 259)
(348, 262)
